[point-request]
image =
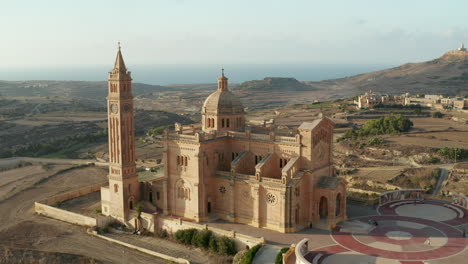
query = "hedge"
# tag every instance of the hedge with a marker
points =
(207, 240)
(249, 256)
(279, 256)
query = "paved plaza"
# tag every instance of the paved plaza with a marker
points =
(405, 232)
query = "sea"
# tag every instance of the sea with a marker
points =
(166, 74)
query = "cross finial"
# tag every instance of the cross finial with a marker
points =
(222, 71)
(118, 44)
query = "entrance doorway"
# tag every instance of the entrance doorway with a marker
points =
(209, 207)
(323, 209)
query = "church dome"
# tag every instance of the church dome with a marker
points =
(222, 102)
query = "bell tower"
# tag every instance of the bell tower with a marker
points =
(124, 189)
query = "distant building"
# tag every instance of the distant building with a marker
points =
(462, 47)
(370, 100)
(460, 104)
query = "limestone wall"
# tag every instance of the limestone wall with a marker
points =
(43, 207)
(301, 250)
(172, 225)
(73, 194)
(64, 215)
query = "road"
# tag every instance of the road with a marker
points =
(444, 172)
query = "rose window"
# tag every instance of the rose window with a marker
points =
(271, 198)
(222, 189)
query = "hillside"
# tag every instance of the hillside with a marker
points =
(446, 75)
(68, 89)
(274, 84)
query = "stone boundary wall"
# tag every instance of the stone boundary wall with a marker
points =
(43, 207)
(73, 194)
(172, 225)
(460, 200)
(144, 250)
(401, 195)
(301, 249)
(288, 254)
(64, 215)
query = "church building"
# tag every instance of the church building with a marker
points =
(276, 178)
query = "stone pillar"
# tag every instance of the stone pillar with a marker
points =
(282, 222)
(196, 196)
(165, 196)
(232, 202)
(256, 205)
(331, 211)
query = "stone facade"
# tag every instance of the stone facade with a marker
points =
(265, 179)
(123, 191)
(261, 176)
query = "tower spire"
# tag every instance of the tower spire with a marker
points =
(119, 61)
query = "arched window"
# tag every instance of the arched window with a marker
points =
(116, 187)
(185, 161)
(222, 122)
(130, 204)
(227, 122)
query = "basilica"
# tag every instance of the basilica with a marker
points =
(268, 177)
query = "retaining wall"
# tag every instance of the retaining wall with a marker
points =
(241, 240)
(64, 215)
(44, 207)
(73, 194)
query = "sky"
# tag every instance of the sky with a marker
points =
(51, 33)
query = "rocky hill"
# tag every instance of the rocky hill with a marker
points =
(446, 75)
(68, 89)
(274, 84)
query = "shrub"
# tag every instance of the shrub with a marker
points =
(161, 233)
(239, 257)
(202, 239)
(279, 256)
(213, 244)
(226, 246)
(433, 160)
(385, 125)
(437, 114)
(375, 141)
(249, 256)
(185, 236)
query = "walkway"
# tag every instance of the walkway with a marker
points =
(406, 233)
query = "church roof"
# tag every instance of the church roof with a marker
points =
(327, 182)
(223, 102)
(313, 124)
(310, 125)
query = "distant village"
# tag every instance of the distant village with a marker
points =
(373, 100)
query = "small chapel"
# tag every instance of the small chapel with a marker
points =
(264, 176)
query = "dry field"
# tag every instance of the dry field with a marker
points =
(434, 132)
(380, 174)
(21, 228)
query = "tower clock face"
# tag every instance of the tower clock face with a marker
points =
(114, 108)
(127, 108)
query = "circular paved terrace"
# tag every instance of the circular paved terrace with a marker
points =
(405, 232)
